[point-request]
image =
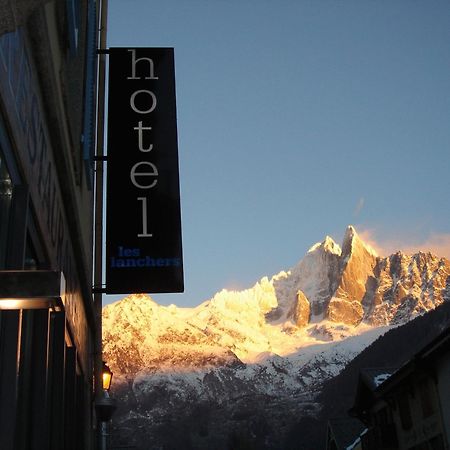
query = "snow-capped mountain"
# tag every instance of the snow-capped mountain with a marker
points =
(279, 340)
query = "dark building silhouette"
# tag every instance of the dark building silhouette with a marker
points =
(408, 408)
(47, 123)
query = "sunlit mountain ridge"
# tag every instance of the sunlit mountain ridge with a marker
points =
(329, 295)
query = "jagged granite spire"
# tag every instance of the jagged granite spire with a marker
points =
(356, 273)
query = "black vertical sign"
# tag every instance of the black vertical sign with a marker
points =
(143, 221)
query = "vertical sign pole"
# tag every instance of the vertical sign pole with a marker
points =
(98, 225)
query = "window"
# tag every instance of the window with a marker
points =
(422, 446)
(437, 443)
(405, 411)
(383, 417)
(73, 24)
(426, 398)
(31, 259)
(5, 208)
(89, 95)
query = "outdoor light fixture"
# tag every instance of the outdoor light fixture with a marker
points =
(104, 404)
(32, 289)
(106, 377)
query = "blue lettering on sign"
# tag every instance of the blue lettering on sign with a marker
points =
(131, 257)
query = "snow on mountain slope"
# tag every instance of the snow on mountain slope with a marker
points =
(266, 350)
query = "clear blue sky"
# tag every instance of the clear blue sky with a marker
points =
(297, 118)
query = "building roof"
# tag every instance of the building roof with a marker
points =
(373, 377)
(435, 349)
(375, 382)
(368, 382)
(344, 430)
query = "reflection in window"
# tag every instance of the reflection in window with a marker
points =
(5, 208)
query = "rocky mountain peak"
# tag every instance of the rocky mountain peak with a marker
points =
(353, 243)
(331, 246)
(356, 274)
(327, 245)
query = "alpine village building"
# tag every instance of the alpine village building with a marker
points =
(406, 408)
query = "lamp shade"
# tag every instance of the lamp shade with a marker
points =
(106, 377)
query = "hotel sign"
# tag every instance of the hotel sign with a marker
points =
(143, 220)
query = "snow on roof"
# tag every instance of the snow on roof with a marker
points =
(381, 378)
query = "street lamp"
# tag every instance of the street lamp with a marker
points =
(32, 289)
(106, 377)
(105, 405)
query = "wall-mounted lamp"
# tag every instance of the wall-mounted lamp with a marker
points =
(106, 377)
(104, 404)
(32, 289)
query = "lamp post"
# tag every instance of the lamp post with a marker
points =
(105, 406)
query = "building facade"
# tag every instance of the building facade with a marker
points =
(408, 408)
(47, 127)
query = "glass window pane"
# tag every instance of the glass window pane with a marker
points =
(5, 208)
